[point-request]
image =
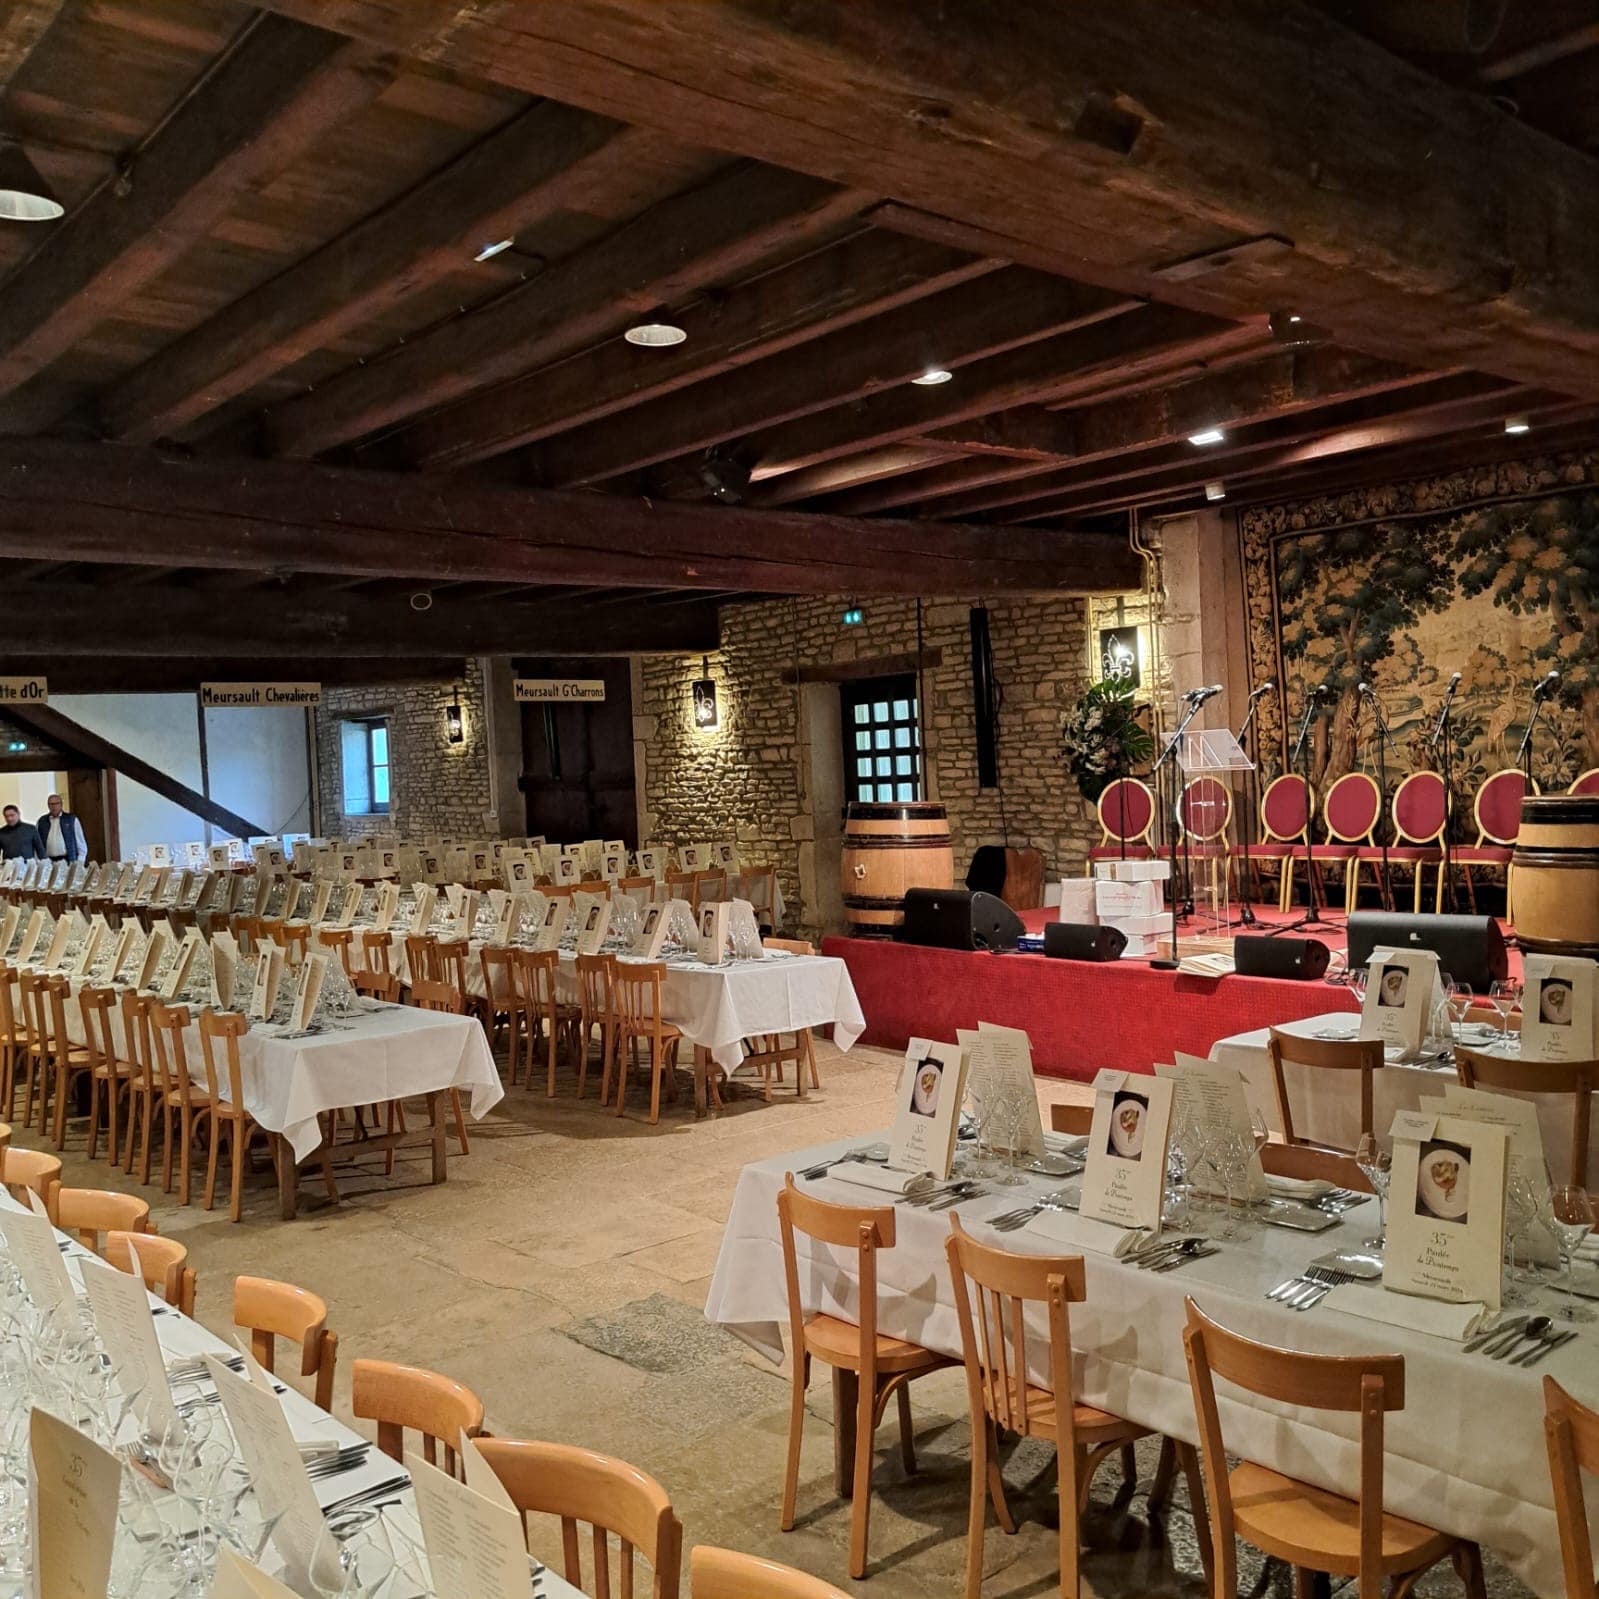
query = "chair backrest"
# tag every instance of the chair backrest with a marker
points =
(1588, 783)
(681, 885)
(437, 996)
(297, 942)
(163, 1264)
(338, 940)
(794, 946)
(1126, 811)
(1496, 806)
(137, 1038)
(36, 1002)
(639, 889)
(246, 932)
(452, 955)
(1420, 809)
(22, 1169)
(401, 1397)
(596, 976)
(13, 1014)
(536, 971)
(637, 988)
(272, 1310)
(1205, 809)
(610, 1497)
(378, 985)
(1310, 1164)
(710, 885)
(1575, 1080)
(99, 1037)
(1351, 809)
(1571, 1432)
(1363, 1055)
(1074, 1120)
(1285, 808)
(226, 1027)
(758, 884)
(499, 974)
(724, 1574)
(168, 1024)
(59, 990)
(422, 956)
(90, 1212)
(376, 949)
(1367, 1385)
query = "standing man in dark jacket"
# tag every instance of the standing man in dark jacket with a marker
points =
(61, 833)
(19, 838)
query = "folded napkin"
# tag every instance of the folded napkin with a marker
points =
(315, 1448)
(1436, 1316)
(1067, 1228)
(1299, 1187)
(885, 1179)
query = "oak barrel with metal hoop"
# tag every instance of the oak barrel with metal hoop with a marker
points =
(888, 849)
(1556, 862)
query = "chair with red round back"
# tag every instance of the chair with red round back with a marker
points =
(1497, 809)
(1284, 815)
(1350, 813)
(1204, 814)
(1126, 815)
(1587, 784)
(1419, 819)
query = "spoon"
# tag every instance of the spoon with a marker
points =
(1535, 1327)
(1180, 1249)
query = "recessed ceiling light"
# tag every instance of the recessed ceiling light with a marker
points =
(1215, 491)
(24, 195)
(1517, 424)
(489, 251)
(1207, 436)
(1293, 318)
(934, 374)
(655, 335)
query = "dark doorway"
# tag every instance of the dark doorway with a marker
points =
(578, 758)
(882, 739)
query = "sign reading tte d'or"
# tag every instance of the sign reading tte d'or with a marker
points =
(24, 691)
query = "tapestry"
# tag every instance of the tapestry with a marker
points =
(1492, 573)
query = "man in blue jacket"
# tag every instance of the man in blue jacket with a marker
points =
(19, 839)
(61, 833)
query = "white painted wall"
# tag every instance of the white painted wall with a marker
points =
(257, 762)
(28, 791)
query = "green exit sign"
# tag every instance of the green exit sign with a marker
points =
(853, 617)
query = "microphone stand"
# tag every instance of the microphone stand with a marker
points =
(1246, 911)
(1441, 736)
(1384, 742)
(1170, 753)
(1301, 757)
(1524, 754)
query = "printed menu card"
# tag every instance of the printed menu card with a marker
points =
(1124, 1180)
(1000, 1059)
(308, 989)
(1399, 991)
(596, 922)
(426, 898)
(31, 1243)
(928, 1096)
(60, 937)
(73, 1505)
(237, 1578)
(651, 934)
(122, 1317)
(1210, 1096)
(98, 932)
(1557, 1008)
(268, 973)
(31, 936)
(713, 933)
(474, 1543)
(556, 910)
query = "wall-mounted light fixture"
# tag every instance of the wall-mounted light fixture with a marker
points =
(454, 721)
(707, 715)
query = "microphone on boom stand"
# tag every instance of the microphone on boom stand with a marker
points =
(1548, 684)
(1246, 913)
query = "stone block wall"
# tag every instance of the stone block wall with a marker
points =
(435, 786)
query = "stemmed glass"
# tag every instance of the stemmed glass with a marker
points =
(1177, 1208)
(354, 1557)
(1007, 1116)
(1460, 999)
(1521, 1211)
(1504, 997)
(1571, 1211)
(982, 1106)
(1375, 1163)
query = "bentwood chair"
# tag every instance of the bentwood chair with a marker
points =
(993, 1291)
(1420, 818)
(1312, 1529)
(270, 1310)
(1571, 1433)
(639, 1021)
(869, 1368)
(108, 1073)
(71, 1062)
(24, 1169)
(549, 1018)
(772, 1051)
(93, 1212)
(163, 1263)
(724, 1574)
(1126, 816)
(177, 1096)
(1307, 1163)
(502, 1001)
(34, 993)
(683, 885)
(16, 1039)
(409, 1398)
(376, 949)
(445, 998)
(338, 941)
(146, 1091)
(220, 1032)
(1362, 1055)
(596, 978)
(1497, 812)
(1574, 1080)
(617, 1502)
(758, 885)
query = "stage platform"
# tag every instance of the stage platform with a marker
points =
(1080, 1015)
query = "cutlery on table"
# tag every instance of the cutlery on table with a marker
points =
(366, 1495)
(1501, 1325)
(1535, 1328)
(347, 1459)
(957, 1195)
(1151, 1255)
(812, 1173)
(1547, 1346)
(1537, 1334)
(1182, 1257)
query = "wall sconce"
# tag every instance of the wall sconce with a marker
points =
(707, 716)
(454, 721)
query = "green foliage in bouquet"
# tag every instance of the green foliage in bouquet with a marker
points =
(1102, 738)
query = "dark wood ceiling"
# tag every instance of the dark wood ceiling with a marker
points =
(1355, 236)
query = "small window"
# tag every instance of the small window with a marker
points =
(365, 748)
(882, 740)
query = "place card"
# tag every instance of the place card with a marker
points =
(31, 936)
(651, 863)
(1557, 1008)
(93, 940)
(566, 870)
(595, 922)
(75, 1485)
(1210, 1097)
(122, 950)
(927, 1097)
(236, 1578)
(422, 909)
(612, 863)
(475, 1544)
(224, 968)
(154, 949)
(519, 871)
(268, 974)
(651, 936)
(220, 856)
(55, 954)
(122, 1317)
(1124, 1180)
(308, 989)
(690, 857)
(1000, 1065)
(713, 923)
(1399, 993)
(1446, 1208)
(387, 908)
(178, 973)
(482, 864)
(550, 929)
(31, 1243)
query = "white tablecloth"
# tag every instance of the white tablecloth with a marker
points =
(1465, 1455)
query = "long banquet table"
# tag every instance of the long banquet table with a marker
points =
(1465, 1455)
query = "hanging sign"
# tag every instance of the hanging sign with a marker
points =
(24, 690)
(1118, 655)
(250, 696)
(545, 690)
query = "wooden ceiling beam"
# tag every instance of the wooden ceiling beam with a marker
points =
(23, 25)
(278, 88)
(1099, 135)
(135, 507)
(1003, 311)
(180, 674)
(891, 461)
(547, 159)
(862, 277)
(714, 234)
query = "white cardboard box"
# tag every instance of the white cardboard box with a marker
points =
(1119, 871)
(1077, 901)
(1127, 899)
(1139, 926)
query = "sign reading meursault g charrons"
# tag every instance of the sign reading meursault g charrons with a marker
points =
(23, 690)
(567, 690)
(248, 696)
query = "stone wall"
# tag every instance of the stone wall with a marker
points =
(770, 776)
(435, 787)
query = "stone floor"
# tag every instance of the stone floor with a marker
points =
(560, 1273)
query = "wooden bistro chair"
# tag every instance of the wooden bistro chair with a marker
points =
(163, 1264)
(639, 1019)
(376, 950)
(445, 998)
(421, 958)
(147, 1093)
(33, 990)
(409, 1398)
(71, 1062)
(1571, 1433)
(725, 1574)
(502, 1000)
(1312, 1529)
(596, 979)
(1310, 1164)
(91, 1213)
(1496, 808)
(22, 1169)
(772, 1051)
(452, 956)
(683, 885)
(641, 890)
(1576, 1080)
(1285, 809)
(179, 1098)
(1126, 815)
(549, 1018)
(617, 1502)
(869, 1368)
(270, 1310)
(758, 884)
(377, 985)
(1362, 1055)
(338, 941)
(1076, 1121)
(993, 1290)
(16, 1039)
(109, 1074)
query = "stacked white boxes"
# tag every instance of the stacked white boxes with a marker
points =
(1123, 894)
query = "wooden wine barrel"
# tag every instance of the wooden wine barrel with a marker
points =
(1556, 865)
(888, 849)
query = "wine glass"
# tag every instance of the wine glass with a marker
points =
(1504, 996)
(1460, 999)
(1571, 1211)
(1375, 1163)
(353, 1557)
(1007, 1119)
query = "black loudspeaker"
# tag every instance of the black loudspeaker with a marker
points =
(1072, 941)
(956, 918)
(1256, 955)
(1470, 948)
(985, 701)
(995, 926)
(987, 871)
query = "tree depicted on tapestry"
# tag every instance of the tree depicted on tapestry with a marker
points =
(1346, 599)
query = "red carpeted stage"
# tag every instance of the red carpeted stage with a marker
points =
(1080, 1015)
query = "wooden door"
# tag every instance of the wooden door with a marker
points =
(85, 798)
(578, 757)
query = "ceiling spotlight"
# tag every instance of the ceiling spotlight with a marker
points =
(1207, 436)
(1291, 329)
(933, 375)
(655, 335)
(725, 475)
(1215, 491)
(489, 251)
(1517, 424)
(24, 195)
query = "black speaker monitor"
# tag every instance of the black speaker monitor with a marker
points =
(957, 918)
(1260, 955)
(1072, 941)
(995, 926)
(1470, 948)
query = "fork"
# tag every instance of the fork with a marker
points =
(1014, 1219)
(822, 1168)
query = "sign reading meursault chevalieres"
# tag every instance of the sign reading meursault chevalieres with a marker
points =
(560, 690)
(251, 696)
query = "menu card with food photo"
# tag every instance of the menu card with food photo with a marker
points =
(75, 1485)
(31, 935)
(94, 940)
(595, 922)
(1446, 1208)
(1124, 1180)
(556, 911)
(1399, 995)
(713, 923)
(1557, 1008)
(122, 950)
(268, 974)
(55, 954)
(154, 951)
(387, 908)
(652, 863)
(1210, 1098)
(321, 898)
(308, 989)
(224, 965)
(612, 864)
(422, 912)
(651, 934)
(928, 1097)
(178, 973)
